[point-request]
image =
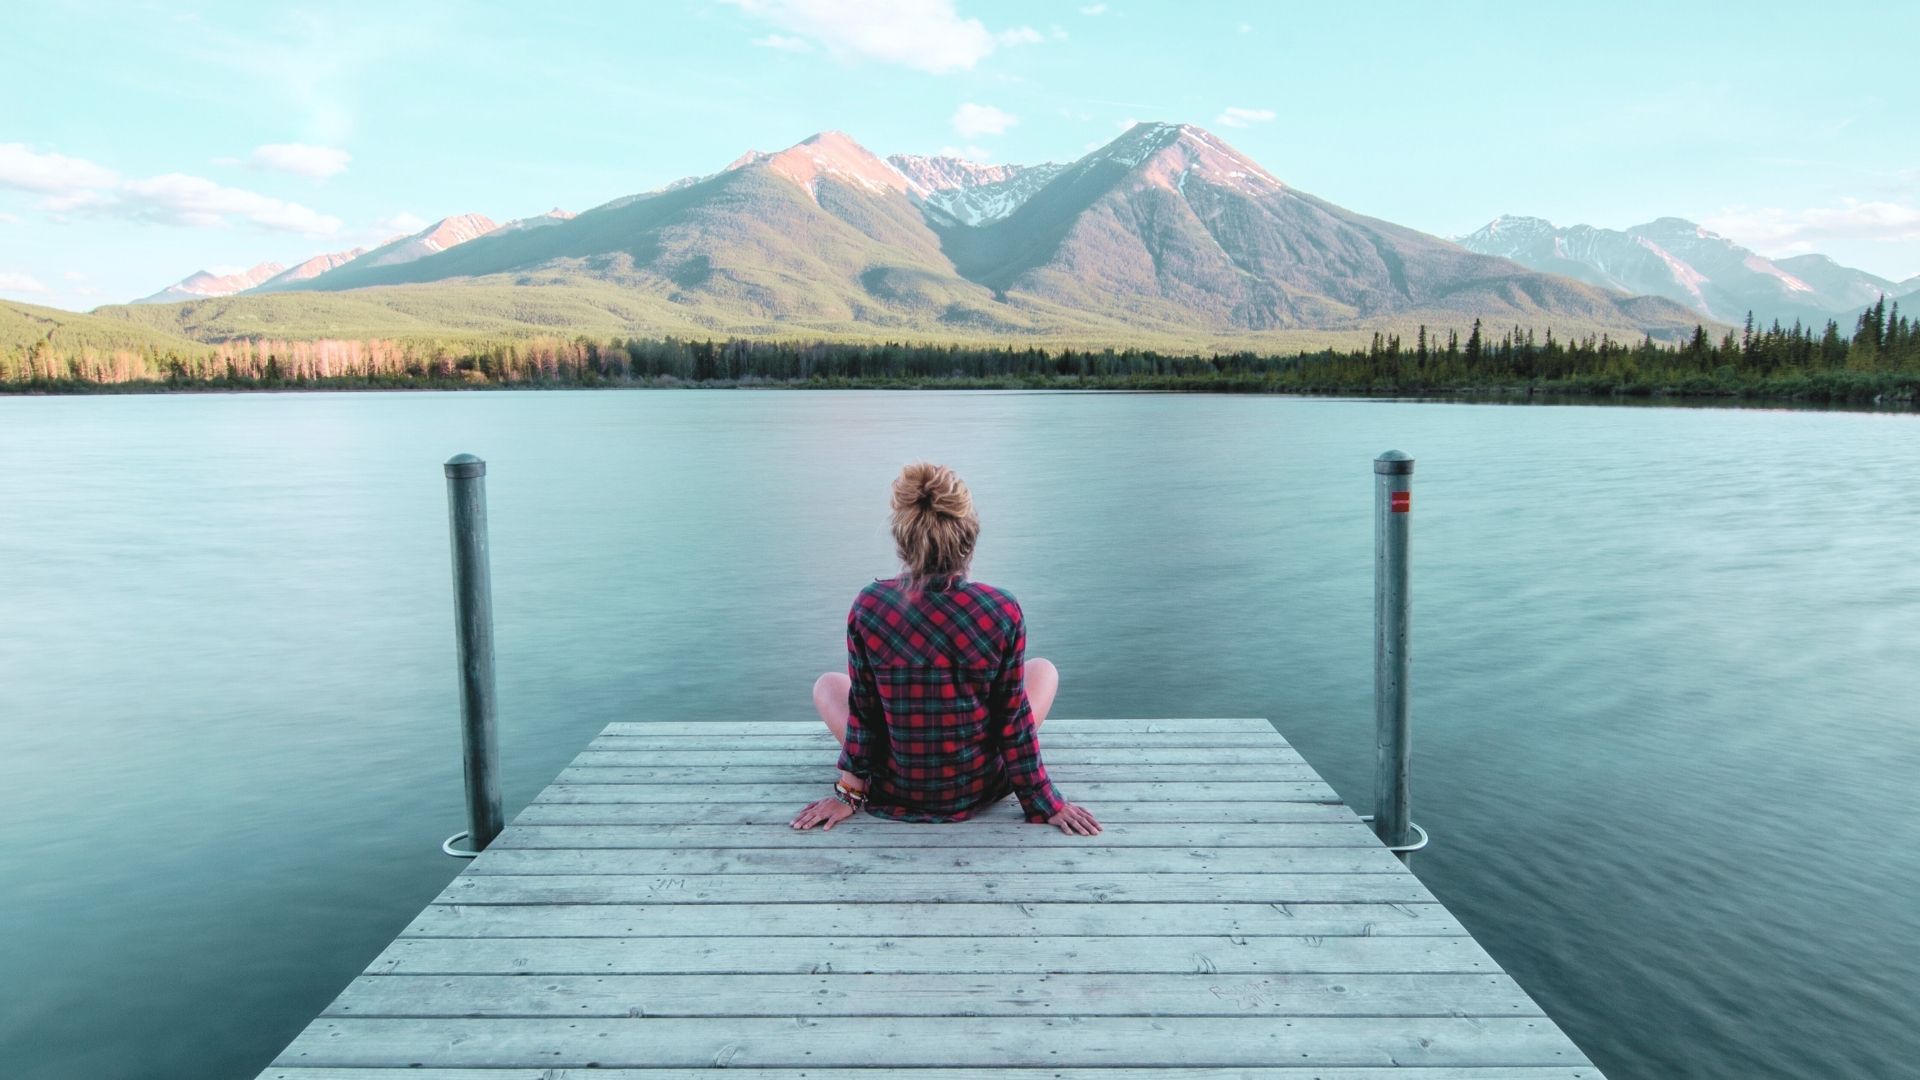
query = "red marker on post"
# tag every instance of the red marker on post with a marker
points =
(1400, 502)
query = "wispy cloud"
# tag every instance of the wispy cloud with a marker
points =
(77, 186)
(9, 219)
(317, 162)
(1810, 229)
(25, 169)
(970, 152)
(972, 121)
(179, 199)
(1093, 9)
(782, 42)
(1235, 116)
(18, 284)
(928, 35)
(402, 222)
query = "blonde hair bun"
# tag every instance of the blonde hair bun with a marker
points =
(926, 487)
(934, 524)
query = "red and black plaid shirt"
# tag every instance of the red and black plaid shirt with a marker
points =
(938, 723)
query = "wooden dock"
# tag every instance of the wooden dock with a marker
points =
(651, 917)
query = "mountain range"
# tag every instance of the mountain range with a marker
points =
(1165, 234)
(1686, 263)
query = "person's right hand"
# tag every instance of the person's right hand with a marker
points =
(1076, 820)
(826, 812)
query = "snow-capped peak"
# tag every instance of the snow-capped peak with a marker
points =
(1172, 154)
(830, 154)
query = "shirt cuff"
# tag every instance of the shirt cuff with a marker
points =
(1041, 803)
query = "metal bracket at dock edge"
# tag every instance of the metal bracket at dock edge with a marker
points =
(1395, 848)
(447, 845)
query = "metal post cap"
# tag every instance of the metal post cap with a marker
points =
(463, 466)
(1393, 463)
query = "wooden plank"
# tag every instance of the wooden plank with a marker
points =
(649, 916)
(915, 1042)
(471, 888)
(600, 788)
(876, 832)
(1055, 724)
(933, 920)
(830, 858)
(1225, 816)
(823, 772)
(821, 740)
(1055, 757)
(1345, 994)
(990, 954)
(991, 1073)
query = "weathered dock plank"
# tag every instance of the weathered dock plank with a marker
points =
(650, 916)
(1130, 994)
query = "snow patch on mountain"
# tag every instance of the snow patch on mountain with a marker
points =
(1685, 276)
(1763, 266)
(969, 192)
(552, 217)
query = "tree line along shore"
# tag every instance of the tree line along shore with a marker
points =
(1877, 362)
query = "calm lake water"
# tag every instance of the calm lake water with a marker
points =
(1665, 671)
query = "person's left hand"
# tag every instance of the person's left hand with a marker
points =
(826, 813)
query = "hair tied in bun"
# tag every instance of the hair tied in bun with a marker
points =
(934, 525)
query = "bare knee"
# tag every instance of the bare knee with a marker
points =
(832, 687)
(1043, 683)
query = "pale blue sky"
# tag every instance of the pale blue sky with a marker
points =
(140, 142)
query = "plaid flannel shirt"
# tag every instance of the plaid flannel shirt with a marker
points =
(938, 722)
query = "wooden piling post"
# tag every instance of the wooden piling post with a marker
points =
(473, 621)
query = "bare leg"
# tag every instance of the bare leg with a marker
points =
(830, 698)
(1043, 682)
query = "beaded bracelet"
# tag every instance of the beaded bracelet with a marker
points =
(854, 799)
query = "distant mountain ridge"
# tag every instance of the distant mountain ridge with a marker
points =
(1688, 264)
(1166, 232)
(206, 284)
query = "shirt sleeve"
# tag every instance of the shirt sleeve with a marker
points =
(866, 720)
(1019, 742)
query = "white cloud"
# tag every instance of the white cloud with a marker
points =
(1796, 231)
(973, 121)
(24, 169)
(970, 152)
(1244, 28)
(1022, 35)
(9, 219)
(1237, 117)
(179, 199)
(928, 35)
(74, 276)
(20, 284)
(318, 162)
(1127, 124)
(1094, 9)
(73, 185)
(402, 222)
(783, 43)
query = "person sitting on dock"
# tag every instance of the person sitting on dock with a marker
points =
(939, 712)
